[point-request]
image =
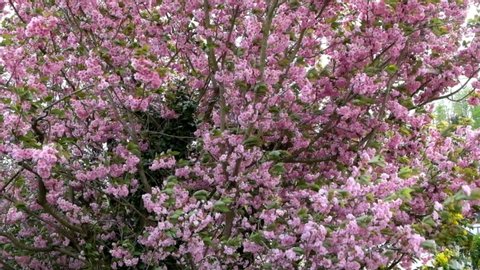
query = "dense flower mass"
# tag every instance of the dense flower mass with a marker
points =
(237, 134)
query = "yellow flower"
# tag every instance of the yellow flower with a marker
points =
(455, 218)
(441, 259)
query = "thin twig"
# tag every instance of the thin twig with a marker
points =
(11, 180)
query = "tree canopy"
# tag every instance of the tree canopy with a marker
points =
(237, 134)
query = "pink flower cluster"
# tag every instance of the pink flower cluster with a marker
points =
(45, 159)
(41, 26)
(163, 163)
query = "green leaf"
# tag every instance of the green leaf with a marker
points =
(21, 206)
(438, 27)
(173, 153)
(256, 237)
(171, 182)
(176, 215)
(201, 195)
(406, 172)
(171, 233)
(58, 112)
(234, 242)
(272, 205)
(277, 154)
(387, 231)
(207, 240)
(172, 179)
(284, 62)
(170, 185)
(29, 140)
(404, 160)
(162, 71)
(343, 193)
(221, 206)
(475, 194)
(391, 69)
(363, 101)
(405, 194)
(242, 85)
(261, 89)
(364, 220)
(371, 70)
(182, 163)
(429, 244)
(440, 30)
(144, 50)
(370, 197)
(48, 98)
(253, 141)
(206, 158)
(429, 221)
(227, 200)
(407, 28)
(168, 191)
(378, 161)
(313, 74)
(277, 169)
(303, 213)
(230, 65)
(302, 184)
(407, 103)
(133, 148)
(364, 179)
(392, 3)
(298, 250)
(447, 131)
(405, 131)
(461, 197)
(216, 132)
(274, 109)
(19, 182)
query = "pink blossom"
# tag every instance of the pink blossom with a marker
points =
(163, 163)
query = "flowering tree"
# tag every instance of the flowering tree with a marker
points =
(237, 134)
